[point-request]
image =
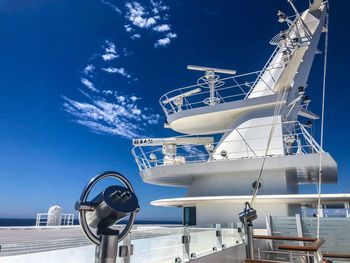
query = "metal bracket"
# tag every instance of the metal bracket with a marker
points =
(186, 239)
(126, 251)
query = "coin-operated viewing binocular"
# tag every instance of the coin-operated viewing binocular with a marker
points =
(105, 210)
(247, 216)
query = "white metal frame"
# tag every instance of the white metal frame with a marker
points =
(43, 218)
(305, 144)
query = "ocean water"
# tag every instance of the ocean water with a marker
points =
(31, 222)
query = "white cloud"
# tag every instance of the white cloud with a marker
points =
(135, 36)
(89, 84)
(134, 98)
(120, 71)
(162, 28)
(138, 16)
(114, 7)
(107, 92)
(152, 17)
(158, 6)
(128, 28)
(171, 35)
(194, 153)
(162, 42)
(166, 40)
(89, 69)
(107, 57)
(110, 51)
(121, 117)
(126, 52)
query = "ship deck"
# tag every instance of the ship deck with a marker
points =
(25, 240)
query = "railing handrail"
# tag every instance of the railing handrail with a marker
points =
(169, 108)
(313, 247)
(304, 144)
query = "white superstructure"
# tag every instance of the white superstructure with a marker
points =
(238, 125)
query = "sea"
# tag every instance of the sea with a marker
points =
(4, 222)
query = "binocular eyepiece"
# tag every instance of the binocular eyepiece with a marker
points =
(109, 207)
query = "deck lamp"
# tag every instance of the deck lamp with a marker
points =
(103, 211)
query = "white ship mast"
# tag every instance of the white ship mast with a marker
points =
(248, 120)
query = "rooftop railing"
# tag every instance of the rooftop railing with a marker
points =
(199, 95)
(65, 219)
(208, 92)
(241, 143)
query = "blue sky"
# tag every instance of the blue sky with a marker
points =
(79, 79)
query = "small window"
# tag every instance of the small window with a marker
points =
(189, 216)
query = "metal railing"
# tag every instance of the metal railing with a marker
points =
(290, 256)
(183, 244)
(194, 96)
(242, 86)
(233, 144)
(43, 218)
(154, 243)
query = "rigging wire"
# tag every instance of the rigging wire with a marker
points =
(281, 96)
(319, 185)
(278, 107)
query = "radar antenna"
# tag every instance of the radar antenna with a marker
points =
(211, 80)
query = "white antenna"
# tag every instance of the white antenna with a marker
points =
(186, 94)
(211, 80)
(217, 70)
(178, 99)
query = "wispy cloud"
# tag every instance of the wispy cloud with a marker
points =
(165, 41)
(194, 152)
(162, 28)
(135, 36)
(110, 51)
(126, 52)
(128, 28)
(89, 69)
(162, 42)
(114, 7)
(120, 71)
(171, 35)
(158, 6)
(87, 83)
(122, 116)
(137, 15)
(153, 16)
(105, 110)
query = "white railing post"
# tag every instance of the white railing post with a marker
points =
(299, 226)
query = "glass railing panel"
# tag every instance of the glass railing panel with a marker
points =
(160, 244)
(232, 234)
(203, 240)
